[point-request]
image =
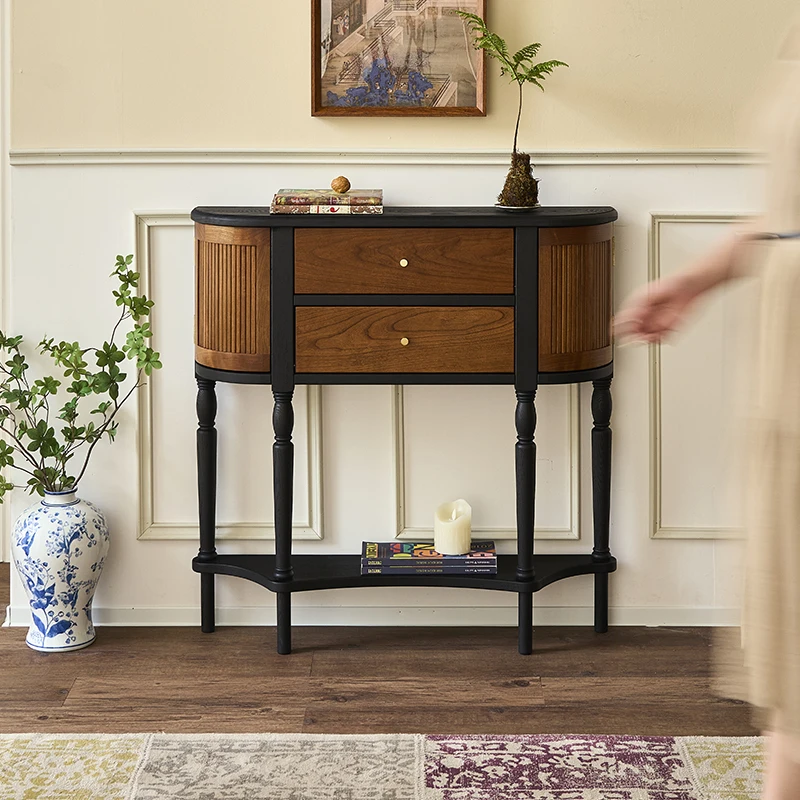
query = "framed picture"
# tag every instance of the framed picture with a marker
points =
(408, 58)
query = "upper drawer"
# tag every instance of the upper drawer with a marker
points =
(404, 261)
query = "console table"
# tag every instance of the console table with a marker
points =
(411, 296)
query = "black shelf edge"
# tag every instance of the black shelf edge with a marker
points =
(410, 216)
(397, 379)
(405, 378)
(343, 572)
(578, 376)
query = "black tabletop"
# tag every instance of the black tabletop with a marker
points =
(410, 216)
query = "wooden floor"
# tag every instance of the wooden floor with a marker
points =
(646, 681)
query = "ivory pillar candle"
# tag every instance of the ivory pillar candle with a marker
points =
(452, 528)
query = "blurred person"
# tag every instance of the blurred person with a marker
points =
(767, 248)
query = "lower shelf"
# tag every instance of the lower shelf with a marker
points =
(343, 572)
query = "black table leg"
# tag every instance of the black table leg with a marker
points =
(207, 494)
(283, 466)
(525, 452)
(601, 495)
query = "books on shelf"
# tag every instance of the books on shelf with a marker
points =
(325, 201)
(392, 558)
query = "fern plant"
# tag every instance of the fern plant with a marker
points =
(29, 442)
(521, 189)
(519, 66)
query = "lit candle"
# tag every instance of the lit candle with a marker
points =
(452, 528)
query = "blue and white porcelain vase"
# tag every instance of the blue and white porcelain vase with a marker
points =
(59, 546)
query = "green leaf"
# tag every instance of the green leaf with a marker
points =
(6, 454)
(5, 486)
(527, 53)
(102, 408)
(81, 388)
(102, 381)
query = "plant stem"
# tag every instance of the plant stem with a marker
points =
(22, 469)
(519, 116)
(125, 315)
(100, 431)
(20, 447)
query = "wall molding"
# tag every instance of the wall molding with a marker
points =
(657, 529)
(405, 531)
(165, 156)
(5, 217)
(149, 528)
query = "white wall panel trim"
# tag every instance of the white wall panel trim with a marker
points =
(400, 616)
(5, 216)
(165, 156)
(657, 529)
(149, 527)
(405, 531)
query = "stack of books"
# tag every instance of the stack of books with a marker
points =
(419, 558)
(326, 201)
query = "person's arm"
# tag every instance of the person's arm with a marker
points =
(660, 307)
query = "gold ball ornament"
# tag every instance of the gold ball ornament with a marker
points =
(340, 184)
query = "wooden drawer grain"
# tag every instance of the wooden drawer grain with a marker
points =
(365, 339)
(437, 261)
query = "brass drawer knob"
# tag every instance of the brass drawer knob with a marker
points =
(404, 342)
(403, 262)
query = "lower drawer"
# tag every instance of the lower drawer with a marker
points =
(355, 339)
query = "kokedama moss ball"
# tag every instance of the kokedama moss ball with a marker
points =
(340, 184)
(521, 188)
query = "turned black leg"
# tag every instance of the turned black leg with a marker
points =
(601, 495)
(526, 494)
(207, 494)
(283, 464)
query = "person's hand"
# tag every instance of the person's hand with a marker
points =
(657, 309)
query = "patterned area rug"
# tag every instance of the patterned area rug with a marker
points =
(395, 767)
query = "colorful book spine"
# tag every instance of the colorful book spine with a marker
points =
(417, 570)
(312, 197)
(405, 563)
(323, 209)
(416, 552)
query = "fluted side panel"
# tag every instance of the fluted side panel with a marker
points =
(232, 309)
(575, 304)
(228, 316)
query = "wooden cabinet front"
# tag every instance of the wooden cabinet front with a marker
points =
(466, 265)
(404, 339)
(404, 261)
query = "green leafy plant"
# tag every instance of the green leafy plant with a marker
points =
(521, 188)
(29, 442)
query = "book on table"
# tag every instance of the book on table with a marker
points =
(325, 201)
(388, 558)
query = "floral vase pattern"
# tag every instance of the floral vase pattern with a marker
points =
(59, 547)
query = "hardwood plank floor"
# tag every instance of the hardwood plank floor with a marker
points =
(646, 681)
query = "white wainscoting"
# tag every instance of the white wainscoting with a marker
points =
(692, 443)
(365, 455)
(168, 491)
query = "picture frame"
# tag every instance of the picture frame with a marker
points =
(395, 58)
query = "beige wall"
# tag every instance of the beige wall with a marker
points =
(644, 74)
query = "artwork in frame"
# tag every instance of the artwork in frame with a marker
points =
(395, 58)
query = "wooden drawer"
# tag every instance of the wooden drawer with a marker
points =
(404, 261)
(410, 339)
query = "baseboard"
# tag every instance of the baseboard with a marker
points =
(433, 616)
